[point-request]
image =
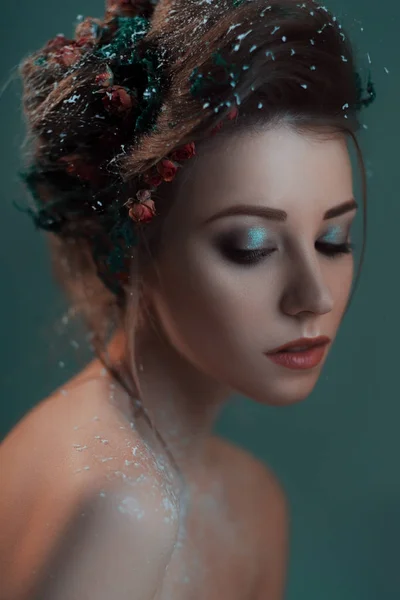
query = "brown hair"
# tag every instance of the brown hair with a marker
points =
(291, 63)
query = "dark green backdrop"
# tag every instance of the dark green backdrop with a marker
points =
(337, 453)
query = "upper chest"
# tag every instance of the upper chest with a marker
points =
(216, 554)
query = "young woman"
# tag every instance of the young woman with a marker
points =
(228, 272)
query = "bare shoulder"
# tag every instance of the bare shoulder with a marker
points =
(72, 449)
(73, 431)
(244, 466)
(62, 436)
(120, 545)
(261, 498)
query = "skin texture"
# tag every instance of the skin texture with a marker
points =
(215, 318)
(226, 532)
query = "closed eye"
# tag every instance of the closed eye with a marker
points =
(253, 257)
(335, 250)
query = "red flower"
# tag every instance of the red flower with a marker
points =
(184, 152)
(56, 43)
(142, 212)
(118, 100)
(68, 55)
(167, 169)
(143, 195)
(85, 42)
(153, 179)
(88, 31)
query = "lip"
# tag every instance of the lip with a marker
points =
(309, 343)
(305, 359)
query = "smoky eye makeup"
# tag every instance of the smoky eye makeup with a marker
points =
(255, 238)
(245, 245)
(249, 246)
(337, 234)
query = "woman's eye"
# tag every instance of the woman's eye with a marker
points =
(335, 250)
(254, 251)
(252, 257)
(246, 257)
(330, 244)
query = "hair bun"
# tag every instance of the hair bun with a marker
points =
(130, 8)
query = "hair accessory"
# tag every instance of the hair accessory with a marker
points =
(144, 210)
(165, 170)
(129, 88)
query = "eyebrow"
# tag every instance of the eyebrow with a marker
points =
(275, 214)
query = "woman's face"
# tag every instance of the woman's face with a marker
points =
(237, 286)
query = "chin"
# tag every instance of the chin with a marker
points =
(282, 400)
(285, 391)
(279, 400)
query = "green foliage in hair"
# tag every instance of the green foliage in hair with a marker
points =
(122, 53)
(201, 87)
(140, 69)
(370, 89)
(113, 235)
(49, 217)
(130, 31)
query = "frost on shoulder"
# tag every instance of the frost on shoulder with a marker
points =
(119, 539)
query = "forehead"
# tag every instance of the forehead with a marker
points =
(279, 168)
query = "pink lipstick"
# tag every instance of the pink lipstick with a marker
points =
(303, 353)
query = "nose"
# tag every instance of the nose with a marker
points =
(307, 290)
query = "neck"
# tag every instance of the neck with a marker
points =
(181, 402)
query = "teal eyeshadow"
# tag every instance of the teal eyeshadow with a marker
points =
(334, 234)
(256, 236)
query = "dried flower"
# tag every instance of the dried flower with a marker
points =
(105, 79)
(167, 169)
(88, 32)
(118, 100)
(144, 210)
(184, 152)
(68, 55)
(143, 195)
(153, 179)
(56, 43)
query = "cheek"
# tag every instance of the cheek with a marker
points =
(340, 283)
(212, 311)
(211, 307)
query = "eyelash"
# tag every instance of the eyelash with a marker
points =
(331, 251)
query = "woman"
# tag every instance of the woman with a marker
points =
(193, 277)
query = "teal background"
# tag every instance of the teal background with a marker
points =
(337, 453)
